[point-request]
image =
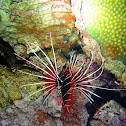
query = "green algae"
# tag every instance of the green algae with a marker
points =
(4, 98)
(10, 83)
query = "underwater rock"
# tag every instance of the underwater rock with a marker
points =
(23, 105)
(52, 106)
(88, 44)
(13, 116)
(123, 78)
(111, 114)
(47, 113)
(115, 67)
(76, 9)
(21, 50)
(33, 20)
(105, 22)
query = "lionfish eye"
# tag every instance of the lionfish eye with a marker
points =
(76, 85)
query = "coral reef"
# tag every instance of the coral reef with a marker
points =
(27, 112)
(105, 22)
(33, 20)
(30, 20)
(110, 114)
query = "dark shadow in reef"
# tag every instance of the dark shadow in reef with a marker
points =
(77, 48)
(7, 56)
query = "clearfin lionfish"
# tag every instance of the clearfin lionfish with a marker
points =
(68, 79)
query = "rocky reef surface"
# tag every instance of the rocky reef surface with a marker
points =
(29, 20)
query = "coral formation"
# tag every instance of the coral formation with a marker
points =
(110, 114)
(9, 85)
(105, 22)
(33, 20)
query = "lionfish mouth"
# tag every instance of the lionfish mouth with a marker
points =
(67, 80)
